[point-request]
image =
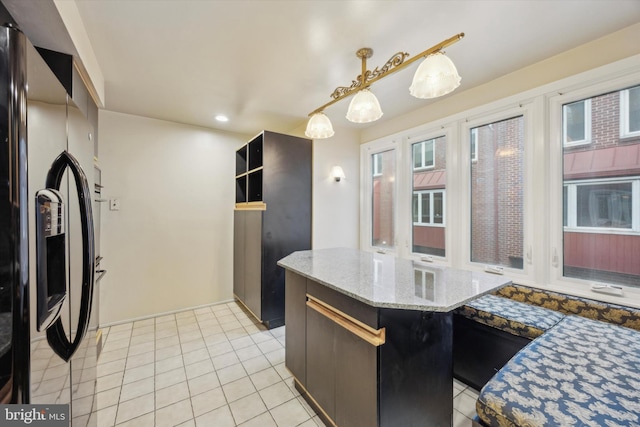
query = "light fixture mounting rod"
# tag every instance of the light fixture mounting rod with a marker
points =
(395, 63)
(364, 54)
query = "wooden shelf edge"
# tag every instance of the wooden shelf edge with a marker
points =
(375, 337)
(252, 206)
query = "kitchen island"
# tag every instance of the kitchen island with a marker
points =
(369, 336)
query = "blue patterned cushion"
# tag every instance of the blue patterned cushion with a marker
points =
(581, 372)
(515, 317)
(570, 304)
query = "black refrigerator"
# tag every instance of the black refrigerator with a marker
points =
(47, 253)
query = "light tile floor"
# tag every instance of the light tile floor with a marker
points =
(214, 366)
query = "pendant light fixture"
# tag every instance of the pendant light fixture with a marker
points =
(364, 107)
(436, 76)
(319, 127)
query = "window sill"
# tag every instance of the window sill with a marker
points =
(593, 230)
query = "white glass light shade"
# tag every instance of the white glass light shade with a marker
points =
(319, 127)
(436, 76)
(364, 107)
(337, 173)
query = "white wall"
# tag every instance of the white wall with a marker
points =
(336, 216)
(169, 245)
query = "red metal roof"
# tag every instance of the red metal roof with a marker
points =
(620, 160)
(429, 180)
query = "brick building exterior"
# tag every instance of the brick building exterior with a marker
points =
(497, 194)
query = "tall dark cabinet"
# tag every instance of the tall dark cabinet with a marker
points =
(272, 219)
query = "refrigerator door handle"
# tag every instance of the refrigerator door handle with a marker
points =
(56, 335)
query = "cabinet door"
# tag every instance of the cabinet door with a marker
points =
(253, 262)
(321, 361)
(296, 317)
(356, 380)
(238, 254)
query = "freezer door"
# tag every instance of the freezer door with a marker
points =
(14, 256)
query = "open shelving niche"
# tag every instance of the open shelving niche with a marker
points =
(249, 164)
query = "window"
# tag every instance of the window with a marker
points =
(383, 199)
(497, 196)
(600, 205)
(601, 194)
(630, 112)
(545, 183)
(428, 196)
(428, 208)
(474, 145)
(377, 164)
(424, 154)
(576, 123)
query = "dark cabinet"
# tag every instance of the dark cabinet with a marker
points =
(296, 315)
(333, 351)
(321, 361)
(362, 366)
(341, 372)
(356, 380)
(239, 237)
(272, 219)
(248, 251)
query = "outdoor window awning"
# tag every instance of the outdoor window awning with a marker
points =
(621, 160)
(429, 180)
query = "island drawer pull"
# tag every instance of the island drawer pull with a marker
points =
(373, 336)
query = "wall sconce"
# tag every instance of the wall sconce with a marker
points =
(436, 76)
(337, 173)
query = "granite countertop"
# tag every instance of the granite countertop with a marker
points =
(382, 280)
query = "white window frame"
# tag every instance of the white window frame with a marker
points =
(367, 151)
(572, 225)
(423, 151)
(554, 267)
(543, 192)
(405, 215)
(420, 194)
(587, 124)
(528, 111)
(624, 114)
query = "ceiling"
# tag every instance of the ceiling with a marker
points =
(266, 64)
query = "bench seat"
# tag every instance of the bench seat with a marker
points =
(489, 331)
(517, 318)
(581, 372)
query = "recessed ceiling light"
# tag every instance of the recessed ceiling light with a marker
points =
(222, 118)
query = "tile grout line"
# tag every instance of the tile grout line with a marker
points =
(230, 333)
